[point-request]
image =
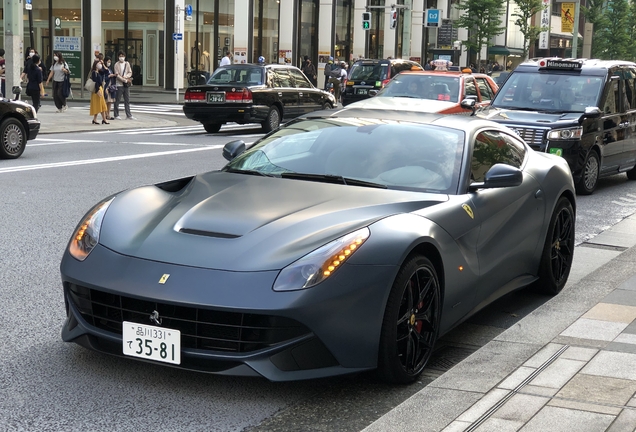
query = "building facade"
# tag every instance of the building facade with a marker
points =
(168, 47)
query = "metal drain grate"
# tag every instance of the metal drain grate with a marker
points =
(448, 356)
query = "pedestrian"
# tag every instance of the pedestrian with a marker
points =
(27, 62)
(327, 71)
(58, 72)
(304, 63)
(227, 59)
(310, 71)
(261, 60)
(334, 78)
(98, 104)
(34, 86)
(343, 77)
(123, 77)
(2, 70)
(110, 86)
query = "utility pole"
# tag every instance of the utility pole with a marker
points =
(13, 34)
(575, 35)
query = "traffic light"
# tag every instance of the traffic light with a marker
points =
(366, 20)
(394, 16)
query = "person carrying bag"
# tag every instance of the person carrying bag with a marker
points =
(123, 75)
(59, 72)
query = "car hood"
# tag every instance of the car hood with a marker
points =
(404, 104)
(240, 222)
(544, 119)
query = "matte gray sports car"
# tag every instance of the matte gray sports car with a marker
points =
(342, 242)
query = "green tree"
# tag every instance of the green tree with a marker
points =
(632, 30)
(482, 19)
(617, 33)
(594, 13)
(527, 9)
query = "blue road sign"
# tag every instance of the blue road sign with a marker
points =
(28, 1)
(432, 17)
(188, 10)
(177, 36)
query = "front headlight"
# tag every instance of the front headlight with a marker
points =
(318, 265)
(86, 235)
(565, 134)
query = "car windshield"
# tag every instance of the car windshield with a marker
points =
(434, 87)
(382, 153)
(369, 71)
(248, 75)
(550, 92)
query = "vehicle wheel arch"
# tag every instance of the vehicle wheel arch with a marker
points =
(279, 106)
(432, 253)
(20, 118)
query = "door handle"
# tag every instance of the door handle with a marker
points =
(624, 125)
(300, 93)
(280, 93)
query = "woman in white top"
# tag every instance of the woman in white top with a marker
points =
(59, 70)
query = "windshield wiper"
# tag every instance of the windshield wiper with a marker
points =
(250, 172)
(330, 178)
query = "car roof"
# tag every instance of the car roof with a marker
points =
(449, 73)
(391, 61)
(588, 66)
(449, 121)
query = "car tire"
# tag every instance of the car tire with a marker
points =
(558, 250)
(212, 127)
(631, 174)
(409, 328)
(327, 106)
(13, 138)
(589, 179)
(272, 121)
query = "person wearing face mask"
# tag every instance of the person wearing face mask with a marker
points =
(27, 62)
(123, 76)
(110, 85)
(59, 71)
(34, 87)
(98, 104)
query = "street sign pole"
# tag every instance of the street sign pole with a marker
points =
(575, 35)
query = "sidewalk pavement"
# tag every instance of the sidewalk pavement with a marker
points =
(79, 120)
(570, 365)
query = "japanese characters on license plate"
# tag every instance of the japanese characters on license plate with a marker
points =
(362, 91)
(150, 342)
(216, 97)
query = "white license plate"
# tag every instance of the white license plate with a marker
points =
(362, 91)
(216, 97)
(150, 342)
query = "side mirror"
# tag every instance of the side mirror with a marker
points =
(233, 149)
(592, 112)
(499, 176)
(469, 103)
(373, 92)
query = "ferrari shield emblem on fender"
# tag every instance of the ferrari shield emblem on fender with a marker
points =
(468, 210)
(164, 278)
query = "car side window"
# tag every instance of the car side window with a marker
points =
(612, 96)
(282, 78)
(493, 147)
(469, 86)
(484, 89)
(299, 79)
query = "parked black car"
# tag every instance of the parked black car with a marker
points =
(368, 76)
(581, 110)
(249, 93)
(18, 123)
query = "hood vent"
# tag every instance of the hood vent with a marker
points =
(208, 233)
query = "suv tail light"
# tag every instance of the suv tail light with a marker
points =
(194, 96)
(385, 82)
(244, 96)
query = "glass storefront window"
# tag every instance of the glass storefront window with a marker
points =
(376, 38)
(226, 27)
(200, 47)
(344, 32)
(308, 29)
(266, 18)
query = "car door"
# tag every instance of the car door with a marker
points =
(510, 217)
(629, 147)
(287, 93)
(309, 99)
(613, 124)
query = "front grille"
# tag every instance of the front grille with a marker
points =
(532, 136)
(200, 328)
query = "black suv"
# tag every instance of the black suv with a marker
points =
(18, 123)
(582, 110)
(367, 77)
(249, 93)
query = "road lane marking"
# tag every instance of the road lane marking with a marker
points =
(103, 160)
(60, 142)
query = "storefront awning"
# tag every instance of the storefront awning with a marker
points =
(498, 50)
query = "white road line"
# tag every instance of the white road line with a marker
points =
(194, 132)
(627, 200)
(144, 130)
(62, 142)
(102, 160)
(631, 196)
(624, 204)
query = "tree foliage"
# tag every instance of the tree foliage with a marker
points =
(482, 18)
(527, 9)
(614, 28)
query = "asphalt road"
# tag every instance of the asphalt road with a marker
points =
(46, 384)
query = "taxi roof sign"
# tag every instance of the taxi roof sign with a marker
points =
(560, 64)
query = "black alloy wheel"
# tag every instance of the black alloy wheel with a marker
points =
(411, 322)
(12, 138)
(272, 121)
(212, 127)
(589, 179)
(558, 250)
